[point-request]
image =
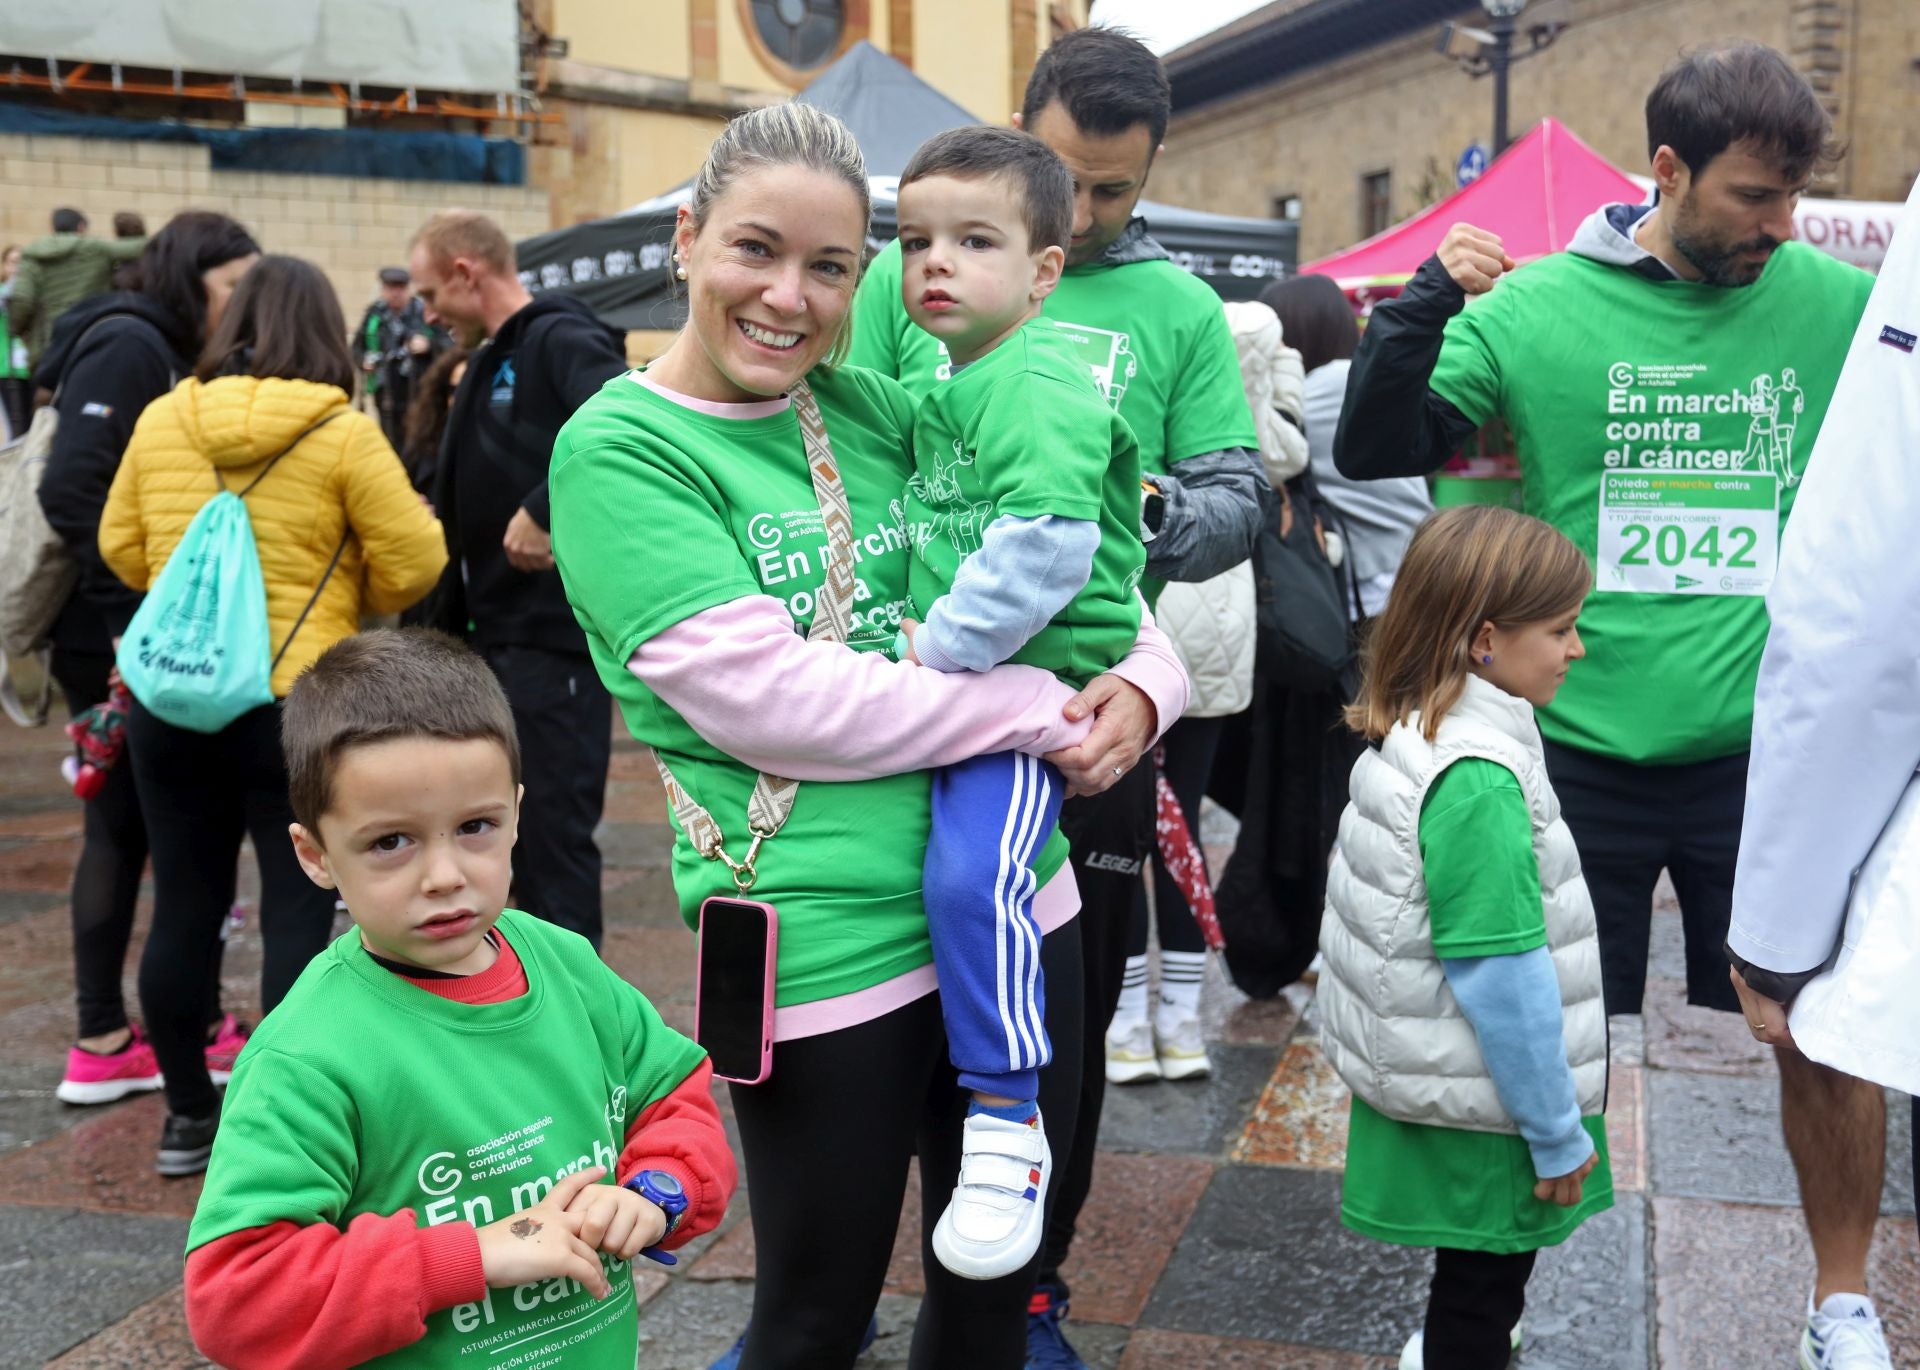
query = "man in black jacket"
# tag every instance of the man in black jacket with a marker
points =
(536, 362)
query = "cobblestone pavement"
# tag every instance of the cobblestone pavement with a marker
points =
(1703, 1264)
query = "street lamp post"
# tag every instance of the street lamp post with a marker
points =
(1490, 51)
(1499, 60)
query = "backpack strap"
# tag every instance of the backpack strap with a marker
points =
(338, 552)
(325, 576)
(274, 460)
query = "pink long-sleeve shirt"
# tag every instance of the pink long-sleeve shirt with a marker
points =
(739, 674)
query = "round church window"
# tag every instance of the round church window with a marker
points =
(800, 33)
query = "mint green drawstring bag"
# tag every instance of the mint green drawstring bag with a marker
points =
(195, 654)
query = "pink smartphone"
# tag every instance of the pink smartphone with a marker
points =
(733, 987)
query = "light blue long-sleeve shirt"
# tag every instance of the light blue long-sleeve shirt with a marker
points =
(1513, 1002)
(1026, 571)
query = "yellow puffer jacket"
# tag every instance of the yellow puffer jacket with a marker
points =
(343, 477)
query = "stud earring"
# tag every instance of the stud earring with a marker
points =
(1487, 660)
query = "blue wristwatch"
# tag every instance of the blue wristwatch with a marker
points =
(661, 1189)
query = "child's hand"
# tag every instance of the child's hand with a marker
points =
(616, 1220)
(1565, 1189)
(908, 627)
(544, 1243)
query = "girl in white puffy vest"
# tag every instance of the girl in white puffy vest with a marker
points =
(1461, 996)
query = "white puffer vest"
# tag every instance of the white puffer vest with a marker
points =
(1389, 1023)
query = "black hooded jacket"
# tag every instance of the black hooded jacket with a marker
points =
(110, 357)
(520, 387)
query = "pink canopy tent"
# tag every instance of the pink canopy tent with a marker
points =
(1534, 196)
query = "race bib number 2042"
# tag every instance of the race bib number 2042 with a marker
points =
(1688, 533)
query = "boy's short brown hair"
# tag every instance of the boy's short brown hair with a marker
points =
(380, 685)
(1041, 183)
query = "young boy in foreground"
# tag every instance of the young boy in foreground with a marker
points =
(460, 1128)
(1023, 515)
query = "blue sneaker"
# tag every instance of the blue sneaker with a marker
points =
(731, 1360)
(1047, 1346)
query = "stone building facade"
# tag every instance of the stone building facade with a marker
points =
(645, 89)
(349, 227)
(1363, 95)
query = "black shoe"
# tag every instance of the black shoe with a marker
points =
(185, 1144)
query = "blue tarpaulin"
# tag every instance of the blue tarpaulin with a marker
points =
(301, 151)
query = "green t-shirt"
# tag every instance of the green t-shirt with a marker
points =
(1663, 426)
(1154, 337)
(659, 512)
(362, 1093)
(1022, 432)
(1420, 1185)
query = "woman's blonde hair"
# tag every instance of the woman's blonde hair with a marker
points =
(1465, 567)
(790, 134)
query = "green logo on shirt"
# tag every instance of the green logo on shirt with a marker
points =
(1108, 355)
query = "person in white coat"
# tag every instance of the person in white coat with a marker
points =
(1825, 933)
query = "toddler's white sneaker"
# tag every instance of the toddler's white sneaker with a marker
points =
(993, 1221)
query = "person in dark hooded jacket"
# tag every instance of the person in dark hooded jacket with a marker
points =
(535, 361)
(109, 357)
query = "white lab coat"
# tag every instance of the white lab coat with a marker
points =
(1836, 735)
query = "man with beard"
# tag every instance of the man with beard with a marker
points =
(1632, 370)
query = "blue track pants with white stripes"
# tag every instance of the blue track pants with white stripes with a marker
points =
(991, 817)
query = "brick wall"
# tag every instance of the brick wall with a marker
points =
(1880, 117)
(349, 227)
(1403, 108)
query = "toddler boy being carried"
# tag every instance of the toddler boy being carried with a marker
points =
(1023, 515)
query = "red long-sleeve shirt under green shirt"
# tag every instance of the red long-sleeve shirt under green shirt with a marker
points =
(376, 1121)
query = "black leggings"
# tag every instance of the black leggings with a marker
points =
(106, 880)
(1475, 1300)
(1111, 835)
(203, 792)
(826, 1141)
(1191, 745)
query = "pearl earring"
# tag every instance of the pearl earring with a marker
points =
(679, 269)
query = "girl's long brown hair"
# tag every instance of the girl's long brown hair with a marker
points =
(1465, 566)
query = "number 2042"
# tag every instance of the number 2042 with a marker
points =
(1669, 546)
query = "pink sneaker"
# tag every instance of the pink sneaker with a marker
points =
(225, 1047)
(93, 1078)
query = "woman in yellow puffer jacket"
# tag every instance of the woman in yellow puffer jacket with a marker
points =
(276, 377)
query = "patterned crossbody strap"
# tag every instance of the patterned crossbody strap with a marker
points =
(772, 799)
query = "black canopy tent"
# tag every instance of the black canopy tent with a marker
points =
(620, 265)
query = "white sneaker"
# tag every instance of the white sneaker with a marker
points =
(992, 1223)
(1182, 1050)
(1130, 1054)
(1413, 1356)
(1848, 1337)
